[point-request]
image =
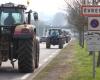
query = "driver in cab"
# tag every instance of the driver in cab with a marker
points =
(9, 20)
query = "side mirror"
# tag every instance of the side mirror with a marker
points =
(35, 14)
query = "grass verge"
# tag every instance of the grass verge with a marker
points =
(72, 63)
(83, 65)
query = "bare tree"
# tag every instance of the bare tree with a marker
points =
(76, 19)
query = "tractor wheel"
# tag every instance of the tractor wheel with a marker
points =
(47, 45)
(66, 40)
(26, 63)
(0, 59)
(0, 64)
(37, 51)
(60, 44)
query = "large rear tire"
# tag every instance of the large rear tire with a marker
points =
(26, 63)
(0, 59)
(37, 51)
(0, 64)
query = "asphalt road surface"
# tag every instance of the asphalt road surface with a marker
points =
(8, 73)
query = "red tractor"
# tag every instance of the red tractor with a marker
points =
(18, 37)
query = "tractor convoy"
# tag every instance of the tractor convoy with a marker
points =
(57, 36)
(18, 41)
(18, 37)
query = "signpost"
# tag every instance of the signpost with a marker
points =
(93, 37)
(93, 41)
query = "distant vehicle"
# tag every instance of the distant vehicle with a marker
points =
(42, 39)
(55, 37)
(67, 36)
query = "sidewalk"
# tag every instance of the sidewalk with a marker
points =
(60, 67)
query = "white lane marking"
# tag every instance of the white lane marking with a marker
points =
(25, 76)
(40, 65)
(55, 53)
(45, 60)
(50, 56)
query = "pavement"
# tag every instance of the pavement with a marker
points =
(46, 55)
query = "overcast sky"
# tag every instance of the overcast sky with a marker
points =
(46, 6)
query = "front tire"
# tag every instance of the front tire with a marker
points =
(0, 59)
(60, 44)
(48, 44)
(26, 63)
(0, 64)
(67, 40)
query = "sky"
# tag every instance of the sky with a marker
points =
(48, 6)
(45, 6)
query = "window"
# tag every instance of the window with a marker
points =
(11, 17)
(54, 32)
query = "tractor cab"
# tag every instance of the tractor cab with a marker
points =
(11, 14)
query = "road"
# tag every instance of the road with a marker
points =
(8, 73)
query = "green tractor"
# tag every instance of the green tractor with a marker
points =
(18, 37)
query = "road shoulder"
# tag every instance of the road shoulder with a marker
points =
(60, 67)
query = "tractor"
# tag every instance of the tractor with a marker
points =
(18, 37)
(55, 37)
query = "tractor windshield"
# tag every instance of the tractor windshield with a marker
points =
(11, 16)
(54, 32)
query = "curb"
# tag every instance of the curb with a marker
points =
(37, 71)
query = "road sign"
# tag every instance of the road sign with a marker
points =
(90, 10)
(93, 41)
(94, 23)
(93, 38)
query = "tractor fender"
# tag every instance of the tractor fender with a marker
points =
(24, 31)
